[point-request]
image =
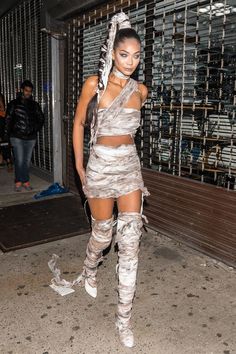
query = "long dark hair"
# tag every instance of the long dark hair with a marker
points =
(121, 36)
(2, 101)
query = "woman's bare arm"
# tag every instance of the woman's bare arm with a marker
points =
(144, 93)
(88, 91)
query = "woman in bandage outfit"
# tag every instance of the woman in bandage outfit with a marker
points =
(110, 102)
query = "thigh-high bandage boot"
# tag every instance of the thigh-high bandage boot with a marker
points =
(100, 239)
(129, 226)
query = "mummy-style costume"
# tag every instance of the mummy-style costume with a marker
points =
(113, 171)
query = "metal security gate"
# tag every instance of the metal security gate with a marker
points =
(187, 143)
(25, 53)
(192, 112)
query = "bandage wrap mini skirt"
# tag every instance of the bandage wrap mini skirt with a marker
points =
(113, 171)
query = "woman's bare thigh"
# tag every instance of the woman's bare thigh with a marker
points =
(101, 209)
(130, 202)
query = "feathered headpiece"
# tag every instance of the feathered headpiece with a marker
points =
(118, 21)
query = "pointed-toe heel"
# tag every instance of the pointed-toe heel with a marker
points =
(92, 291)
(126, 335)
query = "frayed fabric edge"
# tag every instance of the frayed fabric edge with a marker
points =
(61, 286)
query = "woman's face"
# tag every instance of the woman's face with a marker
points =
(126, 56)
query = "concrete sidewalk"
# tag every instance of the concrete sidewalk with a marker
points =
(8, 196)
(185, 302)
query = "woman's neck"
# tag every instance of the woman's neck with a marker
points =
(118, 78)
(119, 74)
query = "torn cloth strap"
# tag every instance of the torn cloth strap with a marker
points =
(57, 274)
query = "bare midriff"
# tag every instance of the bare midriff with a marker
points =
(115, 140)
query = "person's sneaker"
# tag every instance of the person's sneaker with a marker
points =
(18, 186)
(27, 186)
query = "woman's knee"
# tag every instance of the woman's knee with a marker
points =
(130, 202)
(101, 209)
(129, 225)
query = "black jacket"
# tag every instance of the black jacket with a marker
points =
(24, 118)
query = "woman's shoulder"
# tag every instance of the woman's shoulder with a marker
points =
(143, 90)
(90, 85)
(91, 81)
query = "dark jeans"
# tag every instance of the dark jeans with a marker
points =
(22, 150)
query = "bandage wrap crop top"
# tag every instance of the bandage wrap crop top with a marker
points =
(116, 119)
(127, 122)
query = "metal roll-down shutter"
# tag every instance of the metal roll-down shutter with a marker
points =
(187, 142)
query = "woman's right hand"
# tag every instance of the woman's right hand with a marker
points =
(82, 175)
